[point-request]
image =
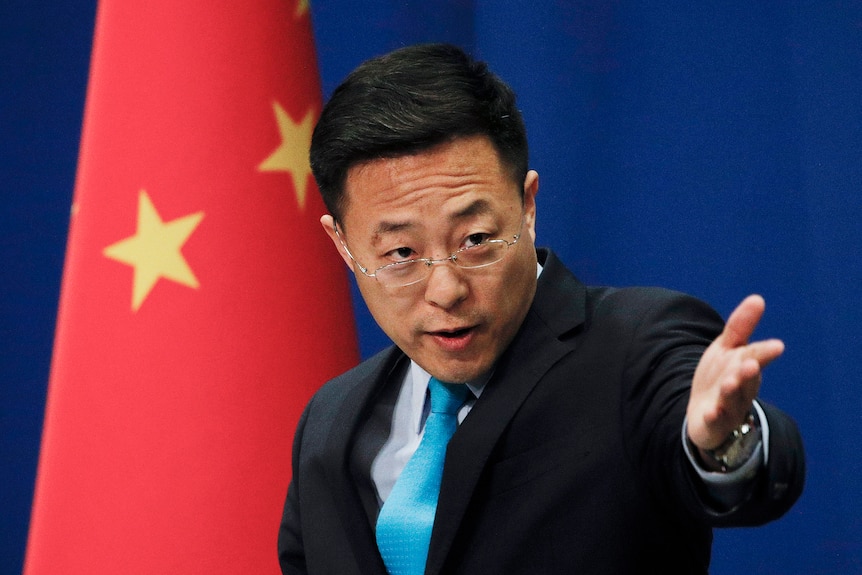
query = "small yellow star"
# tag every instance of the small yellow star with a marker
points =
(301, 8)
(154, 250)
(292, 154)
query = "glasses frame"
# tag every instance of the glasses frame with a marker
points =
(453, 257)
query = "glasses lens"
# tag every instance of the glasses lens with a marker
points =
(481, 255)
(402, 274)
(407, 273)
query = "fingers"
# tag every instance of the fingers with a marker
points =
(765, 352)
(740, 385)
(749, 369)
(741, 381)
(735, 384)
(740, 327)
(741, 323)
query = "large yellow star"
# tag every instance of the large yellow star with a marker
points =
(301, 7)
(154, 250)
(292, 154)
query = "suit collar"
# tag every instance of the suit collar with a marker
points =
(561, 300)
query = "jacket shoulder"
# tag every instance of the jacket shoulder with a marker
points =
(367, 373)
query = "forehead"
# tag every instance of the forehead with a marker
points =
(454, 180)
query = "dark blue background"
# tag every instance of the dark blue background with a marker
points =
(711, 147)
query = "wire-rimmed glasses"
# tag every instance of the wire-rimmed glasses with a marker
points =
(409, 272)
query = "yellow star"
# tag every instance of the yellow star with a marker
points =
(301, 8)
(292, 154)
(154, 250)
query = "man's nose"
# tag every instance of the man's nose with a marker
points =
(446, 286)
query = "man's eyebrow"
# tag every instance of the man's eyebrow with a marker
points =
(390, 227)
(476, 208)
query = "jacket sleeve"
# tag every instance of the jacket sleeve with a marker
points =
(665, 348)
(781, 481)
(291, 552)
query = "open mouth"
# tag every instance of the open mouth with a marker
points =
(453, 334)
(454, 341)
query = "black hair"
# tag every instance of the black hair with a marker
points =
(409, 101)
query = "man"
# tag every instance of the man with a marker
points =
(605, 430)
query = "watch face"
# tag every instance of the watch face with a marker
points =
(739, 447)
(745, 440)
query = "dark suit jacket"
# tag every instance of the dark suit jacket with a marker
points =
(570, 462)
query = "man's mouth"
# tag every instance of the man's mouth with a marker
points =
(454, 333)
(453, 340)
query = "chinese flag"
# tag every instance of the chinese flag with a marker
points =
(201, 305)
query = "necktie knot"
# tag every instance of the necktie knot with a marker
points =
(447, 397)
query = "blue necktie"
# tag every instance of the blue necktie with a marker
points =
(405, 521)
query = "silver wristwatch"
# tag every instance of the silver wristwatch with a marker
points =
(738, 447)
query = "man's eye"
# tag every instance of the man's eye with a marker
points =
(475, 239)
(400, 254)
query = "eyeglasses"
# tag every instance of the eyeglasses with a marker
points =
(409, 272)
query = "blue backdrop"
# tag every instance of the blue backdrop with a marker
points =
(711, 147)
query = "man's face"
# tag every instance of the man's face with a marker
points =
(456, 322)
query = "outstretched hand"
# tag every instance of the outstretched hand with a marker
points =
(728, 376)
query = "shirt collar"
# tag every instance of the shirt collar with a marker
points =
(419, 379)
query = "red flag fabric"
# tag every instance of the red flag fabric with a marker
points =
(201, 304)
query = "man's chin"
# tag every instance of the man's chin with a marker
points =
(455, 371)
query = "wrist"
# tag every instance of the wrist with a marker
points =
(736, 449)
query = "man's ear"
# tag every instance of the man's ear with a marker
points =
(531, 188)
(328, 223)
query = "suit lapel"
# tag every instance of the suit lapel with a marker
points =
(353, 411)
(557, 309)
